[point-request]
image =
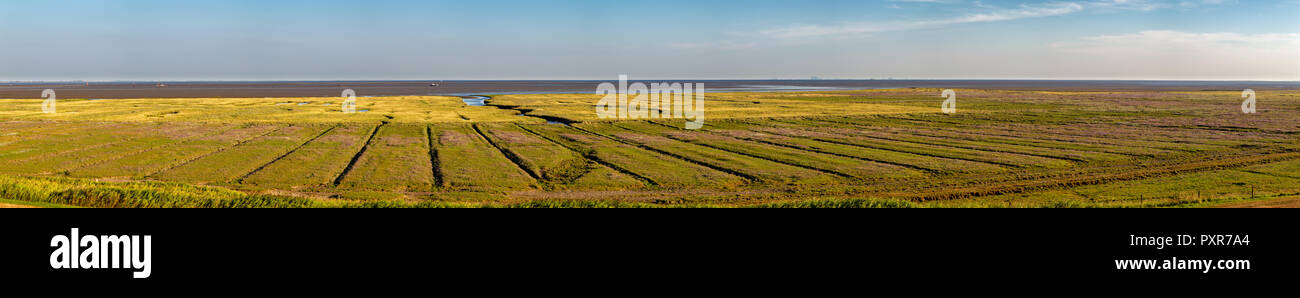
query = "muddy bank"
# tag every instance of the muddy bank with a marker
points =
(460, 88)
(483, 101)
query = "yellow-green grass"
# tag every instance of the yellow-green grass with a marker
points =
(1050, 142)
(396, 160)
(69, 192)
(878, 128)
(1203, 188)
(554, 165)
(841, 166)
(1000, 128)
(1287, 169)
(74, 192)
(1272, 202)
(88, 193)
(315, 163)
(859, 148)
(145, 163)
(232, 163)
(757, 170)
(932, 164)
(405, 109)
(468, 161)
(65, 157)
(49, 131)
(657, 169)
(56, 137)
(580, 107)
(852, 138)
(7, 203)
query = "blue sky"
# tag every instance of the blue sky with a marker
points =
(376, 39)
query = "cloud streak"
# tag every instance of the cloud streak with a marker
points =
(1173, 54)
(854, 29)
(1177, 41)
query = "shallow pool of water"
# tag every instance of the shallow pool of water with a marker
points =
(477, 101)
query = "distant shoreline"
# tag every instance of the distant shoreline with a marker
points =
(197, 89)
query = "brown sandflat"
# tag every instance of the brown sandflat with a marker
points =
(105, 90)
(7, 205)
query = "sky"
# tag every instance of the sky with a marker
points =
(665, 39)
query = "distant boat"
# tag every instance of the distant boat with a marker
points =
(433, 84)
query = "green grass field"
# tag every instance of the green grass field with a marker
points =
(862, 148)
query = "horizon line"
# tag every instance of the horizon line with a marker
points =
(655, 79)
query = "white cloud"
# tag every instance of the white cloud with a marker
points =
(1191, 4)
(1176, 41)
(723, 45)
(850, 29)
(993, 15)
(1174, 53)
(1142, 5)
(1149, 5)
